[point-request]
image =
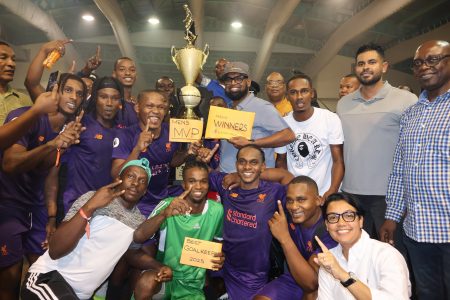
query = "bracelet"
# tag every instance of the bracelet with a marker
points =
(88, 219)
(51, 217)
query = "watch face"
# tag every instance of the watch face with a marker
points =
(349, 281)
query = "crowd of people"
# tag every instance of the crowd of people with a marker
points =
(315, 205)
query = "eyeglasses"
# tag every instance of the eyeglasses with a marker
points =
(237, 79)
(303, 92)
(347, 216)
(430, 61)
(275, 82)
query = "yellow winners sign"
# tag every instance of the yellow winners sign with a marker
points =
(225, 123)
(185, 130)
(199, 253)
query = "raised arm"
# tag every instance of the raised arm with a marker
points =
(66, 237)
(17, 159)
(301, 270)
(178, 206)
(12, 131)
(36, 69)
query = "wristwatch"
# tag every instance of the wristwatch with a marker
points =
(349, 281)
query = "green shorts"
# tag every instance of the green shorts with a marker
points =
(184, 289)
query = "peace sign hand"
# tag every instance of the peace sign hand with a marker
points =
(179, 205)
(145, 138)
(278, 224)
(327, 261)
(104, 196)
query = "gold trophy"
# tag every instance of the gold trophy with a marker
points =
(189, 60)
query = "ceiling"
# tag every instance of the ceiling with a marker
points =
(303, 36)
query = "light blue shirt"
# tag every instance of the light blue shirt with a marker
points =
(267, 122)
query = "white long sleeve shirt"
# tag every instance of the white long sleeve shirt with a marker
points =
(376, 264)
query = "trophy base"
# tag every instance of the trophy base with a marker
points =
(189, 114)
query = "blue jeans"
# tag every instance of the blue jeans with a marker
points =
(431, 267)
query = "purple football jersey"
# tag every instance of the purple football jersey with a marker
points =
(89, 162)
(303, 237)
(285, 286)
(127, 116)
(159, 153)
(246, 234)
(24, 190)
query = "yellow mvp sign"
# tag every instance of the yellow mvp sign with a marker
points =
(185, 130)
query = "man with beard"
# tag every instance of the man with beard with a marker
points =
(276, 92)
(269, 128)
(419, 184)
(10, 99)
(125, 72)
(371, 123)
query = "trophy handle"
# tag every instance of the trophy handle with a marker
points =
(173, 53)
(205, 54)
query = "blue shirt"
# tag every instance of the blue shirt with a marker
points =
(420, 180)
(218, 90)
(267, 122)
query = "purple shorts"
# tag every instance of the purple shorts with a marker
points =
(242, 285)
(283, 287)
(14, 225)
(21, 233)
(37, 234)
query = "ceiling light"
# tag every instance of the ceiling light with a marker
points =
(153, 20)
(236, 24)
(88, 18)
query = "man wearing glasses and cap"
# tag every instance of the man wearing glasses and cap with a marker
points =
(269, 128)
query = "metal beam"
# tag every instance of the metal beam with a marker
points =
(372, 14)
(31, 13)
(280, 14)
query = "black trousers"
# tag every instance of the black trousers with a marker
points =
(48, 286)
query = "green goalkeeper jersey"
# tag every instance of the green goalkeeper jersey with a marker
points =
(205, 226)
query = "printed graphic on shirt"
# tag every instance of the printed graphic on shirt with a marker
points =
(306, 150)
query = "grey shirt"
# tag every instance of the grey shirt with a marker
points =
(371, 129)
(267, 122)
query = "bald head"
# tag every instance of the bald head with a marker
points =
(431, 66)
(275, 87)
(220, 67)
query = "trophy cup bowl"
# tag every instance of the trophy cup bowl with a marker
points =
(189, 61)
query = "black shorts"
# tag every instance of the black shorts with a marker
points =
(46, 286)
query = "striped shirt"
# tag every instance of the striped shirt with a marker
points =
(420, 180)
